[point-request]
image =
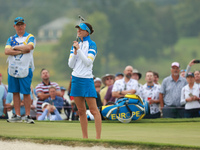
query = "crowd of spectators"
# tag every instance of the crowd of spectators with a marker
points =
(177, 97)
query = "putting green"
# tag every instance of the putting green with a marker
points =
(185, 132)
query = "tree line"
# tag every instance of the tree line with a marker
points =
(124, 30)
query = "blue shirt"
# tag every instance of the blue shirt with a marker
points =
(57, 102)
(2, 97)
(171, 91)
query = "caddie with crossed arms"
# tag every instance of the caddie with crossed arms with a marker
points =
(19, 49)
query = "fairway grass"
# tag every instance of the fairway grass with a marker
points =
(168, 133)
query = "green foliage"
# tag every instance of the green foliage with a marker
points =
(101, 26)
(188, 18)
(126, 32)
(63, 50)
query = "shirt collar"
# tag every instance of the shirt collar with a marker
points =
(174, 80)
(148, 87)
(46, 84)
(192, 87)
(86, 38)
(25, 34)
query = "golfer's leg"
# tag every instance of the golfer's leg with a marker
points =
(27, 103)
(80, 103)
(17, 101)
(95, 112)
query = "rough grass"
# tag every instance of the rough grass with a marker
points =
(144, 134)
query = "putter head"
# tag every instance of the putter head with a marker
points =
(81, 18)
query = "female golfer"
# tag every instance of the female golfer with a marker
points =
(81, 60)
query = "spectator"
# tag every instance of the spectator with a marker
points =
(137, 76)
(33, 111)
(9, 104)
(3, 111)
(156, 78)
(97, 84)
(189, 66)
(1, 83)
(47, 110)
(190, 97)
(19, 49)
(74, 111)
(196, 73)
(42, 89)
(150, 93)
(118, 76)
(66, 104)
(126, 85)
(107, 80)
(108, 97)
(197, 77)
(55, 100)
(182, 74)
(170, 93)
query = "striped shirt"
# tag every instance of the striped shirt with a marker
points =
(43, 88)
(172, 91)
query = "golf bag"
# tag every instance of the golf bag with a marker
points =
(131, 107)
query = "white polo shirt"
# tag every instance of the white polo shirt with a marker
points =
(186, 92)
(132, 84)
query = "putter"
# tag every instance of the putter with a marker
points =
(80, 20)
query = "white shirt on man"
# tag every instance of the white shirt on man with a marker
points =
(148, 93)
(132, 84)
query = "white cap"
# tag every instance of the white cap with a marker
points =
(175, 64)
(44, 104)
(97, 79)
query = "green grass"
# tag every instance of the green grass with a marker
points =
(175, 133)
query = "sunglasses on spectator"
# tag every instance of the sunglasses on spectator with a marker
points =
(109, 78)
(20, 24)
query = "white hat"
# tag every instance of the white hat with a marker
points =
(44, 104)
(137, 72)
(107, 75)
(97, 79)
(175, 64)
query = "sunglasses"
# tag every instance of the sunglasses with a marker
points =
(109, 78)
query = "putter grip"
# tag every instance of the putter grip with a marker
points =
(77, 41)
